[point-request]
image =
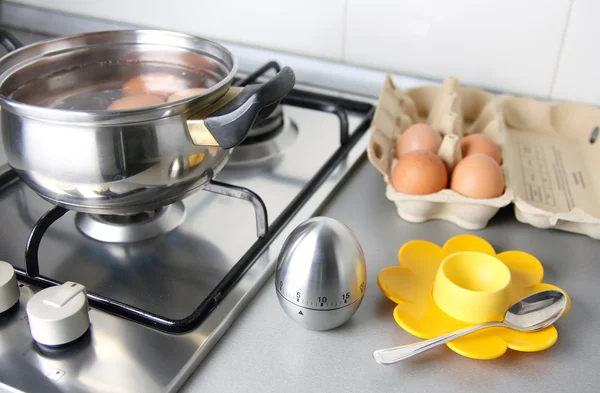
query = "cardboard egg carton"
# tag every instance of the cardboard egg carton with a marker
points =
(456, 112)
(549, 155)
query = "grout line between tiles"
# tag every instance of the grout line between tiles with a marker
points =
(560, 49)
(344, 30)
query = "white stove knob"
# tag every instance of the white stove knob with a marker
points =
(9, 289)
(58, 315)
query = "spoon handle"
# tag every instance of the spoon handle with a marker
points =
(395, 354)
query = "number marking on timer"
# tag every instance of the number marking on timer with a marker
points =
(321, 301)
(345, 297)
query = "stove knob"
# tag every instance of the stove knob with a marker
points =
(58, 315)
(9, 289)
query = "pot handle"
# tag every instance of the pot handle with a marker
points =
(9, 41)
(229, 120)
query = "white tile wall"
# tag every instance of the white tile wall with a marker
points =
(578, 73)
(507, 44)
(544, 49)
(310, 27)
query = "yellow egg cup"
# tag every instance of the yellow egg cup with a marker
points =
(442, 289)
(472, 287)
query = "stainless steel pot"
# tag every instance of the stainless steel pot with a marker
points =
(67, 146)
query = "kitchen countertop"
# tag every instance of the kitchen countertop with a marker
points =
(264, 351)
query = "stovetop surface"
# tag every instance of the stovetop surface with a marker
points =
(168, 275)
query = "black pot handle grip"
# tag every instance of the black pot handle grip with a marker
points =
(9, 41)
(230, 124)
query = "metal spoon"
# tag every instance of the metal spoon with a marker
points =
(533, 312)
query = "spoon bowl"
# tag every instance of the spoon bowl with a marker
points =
(534, 312)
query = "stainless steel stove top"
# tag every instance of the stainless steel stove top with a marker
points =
(167, 275)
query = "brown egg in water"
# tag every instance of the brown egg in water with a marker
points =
(479, 143)
(419, 172)
(478, 176)
(419, 136)
(132, 102)
(180, 95)
(160, 84)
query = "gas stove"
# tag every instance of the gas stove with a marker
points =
(163, 286)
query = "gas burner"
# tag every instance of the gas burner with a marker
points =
(266, 139)
(131, 228)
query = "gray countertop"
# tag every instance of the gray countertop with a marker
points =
(264, 351)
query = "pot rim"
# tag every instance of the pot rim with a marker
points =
(57, 45)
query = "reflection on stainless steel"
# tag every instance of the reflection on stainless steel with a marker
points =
(131, 227)
(168, 274)
(266, 149)
(107, 170)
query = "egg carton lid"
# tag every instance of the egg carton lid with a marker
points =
(551, 158)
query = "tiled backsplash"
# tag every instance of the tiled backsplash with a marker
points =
(544, 49)
(495, 44)
(578, 70)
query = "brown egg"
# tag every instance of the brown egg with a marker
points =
(419, 172)
(478, 176)
(479, 143)
(132, 102)
(180, 95)
(160, 84)
(419, 136)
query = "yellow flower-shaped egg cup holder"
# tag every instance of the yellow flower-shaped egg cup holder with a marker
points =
(410, 286)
